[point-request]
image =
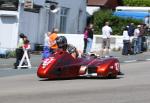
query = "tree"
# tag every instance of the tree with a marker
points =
(141, 3)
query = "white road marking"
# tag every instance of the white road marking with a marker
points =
(16, 69)
(130, 61)
(147, 59)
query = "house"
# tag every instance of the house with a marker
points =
(35, 17)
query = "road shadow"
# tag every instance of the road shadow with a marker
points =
(82, 78)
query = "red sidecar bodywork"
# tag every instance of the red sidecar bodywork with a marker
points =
(62, 65)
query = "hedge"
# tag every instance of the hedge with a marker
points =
(100, 17)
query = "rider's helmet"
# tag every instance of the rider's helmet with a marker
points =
(61, 42)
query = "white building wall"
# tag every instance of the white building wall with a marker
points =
(77, 41)
(29, 25)
(90, 9)
(116, 42)
(48, 20)
(35, 25)
(43, 25)
(74, 7)
(8, 29)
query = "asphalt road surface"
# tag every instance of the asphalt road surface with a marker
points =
(133, 87)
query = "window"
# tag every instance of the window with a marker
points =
(63, 19)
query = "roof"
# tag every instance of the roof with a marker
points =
(103, 3)
(96, 2)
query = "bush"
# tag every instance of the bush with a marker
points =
(12, 54)
(100, 17)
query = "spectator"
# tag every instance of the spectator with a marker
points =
(46, 48)
(126, 42)
(131, 29)
(146, 20)
(140, 38)
(89, 38)
(27, 46)
(19, 50)
(135, 40)
(85, 39)
(106, 33)
(146, 29)
(26, 43)
(52, 40)
(142, 29)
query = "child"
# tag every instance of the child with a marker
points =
(27, 46)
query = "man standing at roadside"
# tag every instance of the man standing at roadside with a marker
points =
(131, 29)
(106, 33)
(137, 47)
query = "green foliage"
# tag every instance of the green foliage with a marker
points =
(12, 54)
(136, 2)
(100, 17)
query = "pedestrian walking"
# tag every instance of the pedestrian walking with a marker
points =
(25, 60)
(106, 33)
(19, 50)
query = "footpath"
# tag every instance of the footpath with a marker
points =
(36, 59)
(9, 63)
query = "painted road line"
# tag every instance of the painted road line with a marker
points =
(129, 61)
(17, 69)
(147, 59)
